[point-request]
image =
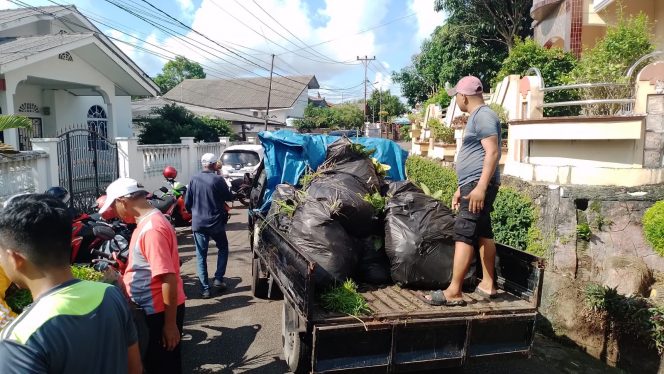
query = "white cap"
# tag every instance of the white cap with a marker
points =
(208, 158)
(119, 188)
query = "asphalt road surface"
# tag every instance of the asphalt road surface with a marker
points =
(234, 333)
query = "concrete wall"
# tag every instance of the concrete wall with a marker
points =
(67, 109)
(586, 153)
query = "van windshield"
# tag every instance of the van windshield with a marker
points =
(244, 158)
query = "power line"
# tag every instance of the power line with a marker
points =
(95, 31)
(365, 61)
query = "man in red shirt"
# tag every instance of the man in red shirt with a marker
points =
(152, 277)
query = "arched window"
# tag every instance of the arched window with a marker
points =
(97, 124)
(28, 108)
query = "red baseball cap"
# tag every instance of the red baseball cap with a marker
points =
(469, 85)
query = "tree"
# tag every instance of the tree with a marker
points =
(501, 21)
(448, 55)
(170, 122)
(383, 100)
(175, 71)
(346, 116)
(553, 63)
(608, 61)
(413, 87)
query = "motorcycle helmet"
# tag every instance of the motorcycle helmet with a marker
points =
(59, 193)
(170, 172)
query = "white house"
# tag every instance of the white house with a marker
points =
(57, 68)
(248, 96)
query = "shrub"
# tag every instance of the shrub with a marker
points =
(440, 132)
(170, 122)
(425, 171)
(502, 116)
(345, 299)
(583, 231)
(512, 218)
(624, 43)
(554, 64)
(405, 133)
(631, 315)
(653, 227)
(440, 98)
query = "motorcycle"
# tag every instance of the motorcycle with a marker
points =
(93, 235)
(170, 200)
(240, 188)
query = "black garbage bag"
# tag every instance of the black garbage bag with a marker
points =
(345, 194)
(343, 156)
(282, 207)
(418, 238)
(374, 266)
(324, 241)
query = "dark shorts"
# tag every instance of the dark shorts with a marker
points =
(469, 227)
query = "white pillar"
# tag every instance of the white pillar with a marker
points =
(50, 147)
(130, 160)
(11, 135)
(189, 161)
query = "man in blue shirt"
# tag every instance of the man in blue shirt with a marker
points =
(72, 326)
(206, 200)
(479, 178)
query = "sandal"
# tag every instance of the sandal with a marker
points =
(484, 295)
(438, 299)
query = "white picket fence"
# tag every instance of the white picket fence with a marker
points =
(36, 171)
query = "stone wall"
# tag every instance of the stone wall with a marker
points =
(654, 137)
(616, 255)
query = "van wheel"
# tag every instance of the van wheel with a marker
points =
(259, 285)
(297, 351)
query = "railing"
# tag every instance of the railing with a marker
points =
(203, 148)
(157, 157)
(628, 103)
(20, 173)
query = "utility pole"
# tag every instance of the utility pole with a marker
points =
(269, 92)
(365, 62)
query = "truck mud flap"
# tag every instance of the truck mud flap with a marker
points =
(407, 346)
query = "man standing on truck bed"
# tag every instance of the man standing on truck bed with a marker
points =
(479, 178)
(206, 200)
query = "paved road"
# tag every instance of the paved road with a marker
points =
(235, 333)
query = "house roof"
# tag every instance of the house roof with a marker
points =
(13, 49)
(242, 93)
(8, 16)
(75, 27)
(144, 107)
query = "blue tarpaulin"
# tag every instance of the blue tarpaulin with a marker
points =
(288, 154)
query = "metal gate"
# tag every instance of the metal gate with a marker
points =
(87, 163)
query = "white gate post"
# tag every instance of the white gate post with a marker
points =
(48, 175)
(188, 159)
(130, 161)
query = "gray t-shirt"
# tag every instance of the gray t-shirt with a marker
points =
(76, 327)
(483, 123)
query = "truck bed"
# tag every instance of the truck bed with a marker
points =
(394, 302)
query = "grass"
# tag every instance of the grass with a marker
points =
(377, 201)
(84, 272)
(345, 299)
(631, 315)
(285, 207)
(583, 232)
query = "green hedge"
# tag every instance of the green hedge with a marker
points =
(435, 176)
(514, 217)
(653, 227)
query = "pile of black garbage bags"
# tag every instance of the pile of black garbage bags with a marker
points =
(409, 242)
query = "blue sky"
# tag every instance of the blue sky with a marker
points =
(337, 30)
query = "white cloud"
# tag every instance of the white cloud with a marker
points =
(427, 18)
(187, 8)
(223, 21)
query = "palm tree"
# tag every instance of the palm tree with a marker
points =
(12, 122)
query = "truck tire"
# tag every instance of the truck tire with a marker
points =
(259, 285)
(297, 351)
